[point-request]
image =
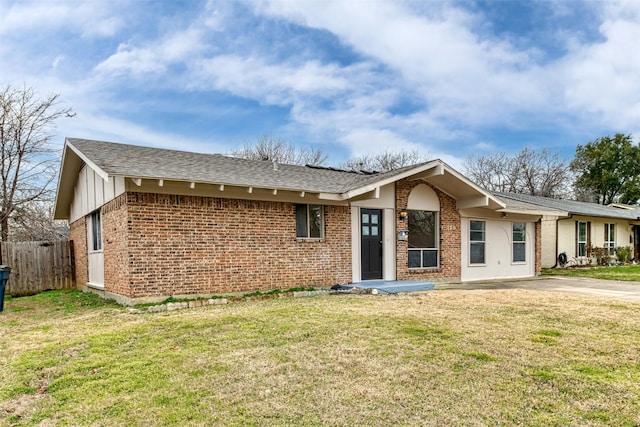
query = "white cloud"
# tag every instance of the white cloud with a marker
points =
(275, 84)
(601, 79)
(91, 19)
(156, 56)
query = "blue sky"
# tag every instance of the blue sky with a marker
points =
(448, 78)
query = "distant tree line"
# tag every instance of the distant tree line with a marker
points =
(604, 171)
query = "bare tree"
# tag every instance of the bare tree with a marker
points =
(385, 161)
(27, 169)
(34, 221)
(279, 150)
(538, 173)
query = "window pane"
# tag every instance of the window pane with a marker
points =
(519, 231)
(365, 218)
(476, 253)
(423, 229)
(315, 221)
(374, 230)
(582, 231)
(301, 221)
(519, 252)
(96, 231)
(414, 259)
(477, 225)
(374, 218)
(430, 258)
(582, 249)
(477, 236)
(365, 230)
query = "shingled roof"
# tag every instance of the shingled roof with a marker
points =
(154, 163)
(138, 163)
(574, 207)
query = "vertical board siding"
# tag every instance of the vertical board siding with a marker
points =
(38, 266)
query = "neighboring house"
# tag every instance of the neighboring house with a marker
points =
(150, 223)
(577, 228)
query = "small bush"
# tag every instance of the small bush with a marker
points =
(623, 253)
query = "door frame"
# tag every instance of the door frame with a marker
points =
(377, 226)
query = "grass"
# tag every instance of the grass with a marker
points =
(439, 358)
(627, 273)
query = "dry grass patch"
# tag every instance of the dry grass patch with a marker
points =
(443, 357)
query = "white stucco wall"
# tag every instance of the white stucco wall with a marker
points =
(548, 244)
(498, 252)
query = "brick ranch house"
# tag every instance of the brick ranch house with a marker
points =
(149, 223)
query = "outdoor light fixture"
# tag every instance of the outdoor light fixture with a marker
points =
(403, 214)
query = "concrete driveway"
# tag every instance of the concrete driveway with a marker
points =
(624, 291)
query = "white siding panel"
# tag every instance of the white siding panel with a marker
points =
(498, 253)
(119, 186)
(91, 190)
(99, 189)
(110, 189)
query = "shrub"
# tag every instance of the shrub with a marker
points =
(623, 253)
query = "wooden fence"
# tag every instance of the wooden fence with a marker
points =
(38, 266)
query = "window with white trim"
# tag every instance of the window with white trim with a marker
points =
(423, 239)
(96, 231)
(610, 237)
(309, 221)
(519, 241)
(582, 238)
(477, 233)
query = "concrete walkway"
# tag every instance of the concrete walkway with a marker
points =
(624, 291)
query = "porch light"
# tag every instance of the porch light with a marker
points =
(403, 214)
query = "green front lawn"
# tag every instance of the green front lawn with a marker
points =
(629, 273)
(507, 357)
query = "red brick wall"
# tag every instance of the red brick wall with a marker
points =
(78, 234)
(115, 246)
(204, 245)
(450, 237)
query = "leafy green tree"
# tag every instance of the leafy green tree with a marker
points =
(609, 169)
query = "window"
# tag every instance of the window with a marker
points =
(309, 222)
(610, 237)
(96, 231)
(519, 234)
(423, 239)
(476, 242)
(582, 238)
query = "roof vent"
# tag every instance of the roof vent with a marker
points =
(275, 165)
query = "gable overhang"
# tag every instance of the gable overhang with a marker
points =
(538, 212)
(442, 176)
(72, 161)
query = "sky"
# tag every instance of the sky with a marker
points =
(449, 78)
